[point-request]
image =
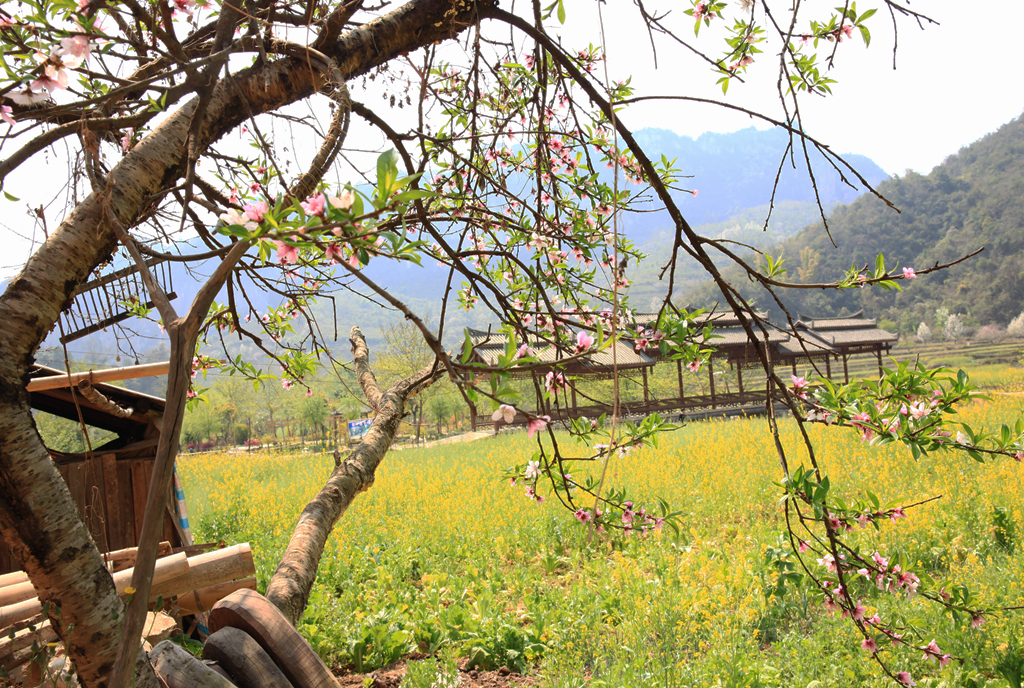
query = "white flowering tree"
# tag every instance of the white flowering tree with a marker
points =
(496, 178)
(1016, 326)
(924, 333)
(954, 328)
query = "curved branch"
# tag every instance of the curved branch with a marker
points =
(57, 133)
(290, 587)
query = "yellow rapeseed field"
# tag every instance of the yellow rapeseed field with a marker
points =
(442, 551)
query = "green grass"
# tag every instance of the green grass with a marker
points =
(442, 552)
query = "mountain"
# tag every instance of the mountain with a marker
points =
(733, 172)
(973, 200)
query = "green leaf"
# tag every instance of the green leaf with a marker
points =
(561, 12)
(9, 197)
(467, 349)
(865, 34)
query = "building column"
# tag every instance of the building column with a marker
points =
(646, 392)
(828, 366)
(879, 352)
(846, 370)
(739, 376)
(679, 373)
(711, 378)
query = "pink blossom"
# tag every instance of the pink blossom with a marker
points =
(342, 201)
(555, 382)
(234, 217)
(803, 546)
(537, 424)
(859, 418)
(694, 192)
(5, 114)
(286, 383)
(908, 273)
(800, 386)
(931, 651)
(314, 205)
(897, 513)
(286, 253)
(583, 341)
(976, 621)
(583, 515)
(919, 410)
(1019, 456)
(505, 413)
(524, 351)
(905, 678)
(126, 140)
(869, 645)
(693, 366)
(309, 392)
(28, 96)
(333, 252)
(74, 51)
(255, 211)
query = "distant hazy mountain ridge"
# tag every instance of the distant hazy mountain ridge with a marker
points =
(974, 199)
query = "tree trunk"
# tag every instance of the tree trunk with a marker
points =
(292, 582)
(38, 519)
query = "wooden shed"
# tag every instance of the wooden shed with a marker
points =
(110, 484)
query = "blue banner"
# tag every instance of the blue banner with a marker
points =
(358, 428)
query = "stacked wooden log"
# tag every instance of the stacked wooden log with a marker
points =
(252, 645)
(188, 582)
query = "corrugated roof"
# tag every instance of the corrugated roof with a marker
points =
(850, 337)
(819, 335)
(810, 344)
(717, 318)
(625, 357)
(853, 321)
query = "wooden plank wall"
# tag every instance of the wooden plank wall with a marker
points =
(110, 494)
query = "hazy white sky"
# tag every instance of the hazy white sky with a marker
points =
(955, 82)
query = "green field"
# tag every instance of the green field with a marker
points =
(442, 552)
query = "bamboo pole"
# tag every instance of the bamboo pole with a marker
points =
(13, 578)
(202, 600)
(207, 569)
(125, 558)
(18, 602)
(117, 560)
(94, 376)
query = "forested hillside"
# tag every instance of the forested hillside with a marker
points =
(974, 199)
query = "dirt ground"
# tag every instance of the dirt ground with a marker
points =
(391, 677)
